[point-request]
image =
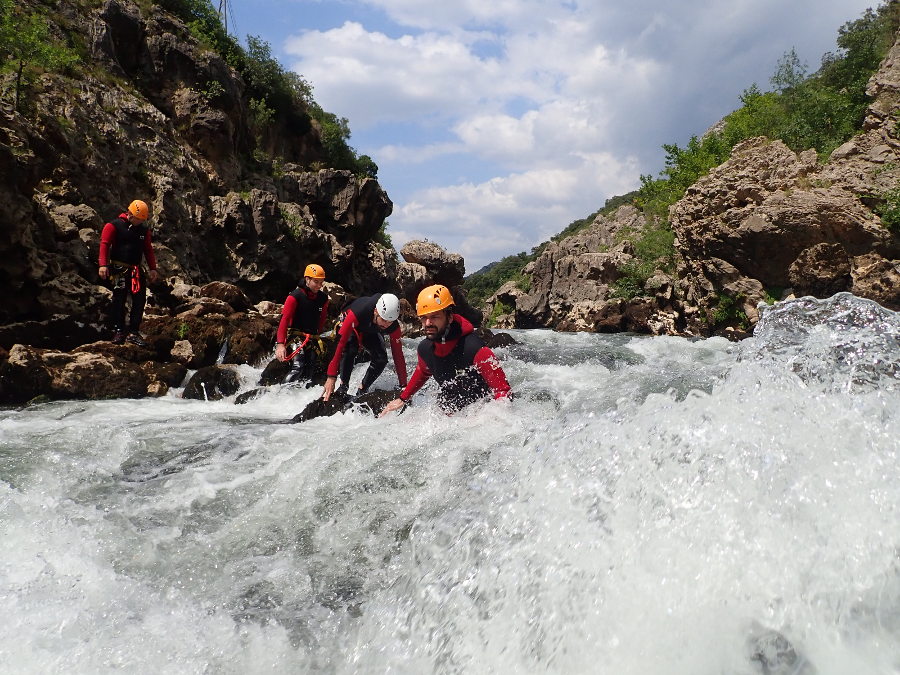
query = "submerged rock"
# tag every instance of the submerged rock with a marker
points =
(773, 654)
(373, 402)
(212, 383)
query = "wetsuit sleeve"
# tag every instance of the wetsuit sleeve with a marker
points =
(148, 250)
(350, 322)
(287, 319)
(323, 317)
(489, 368)
(107, 238)
(399, 361)
(419, 377)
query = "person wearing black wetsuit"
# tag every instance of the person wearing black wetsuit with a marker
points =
(305, 311)
(466, 370)
(366, 321)
(124, 242)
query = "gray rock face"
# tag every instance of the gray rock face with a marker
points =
(765, 220)
(443, 267)
(571, 284)
(172, 130)
(769, 218)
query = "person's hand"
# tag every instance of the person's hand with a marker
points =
(396, 404)
(329, 387)
(104, 272)
(280, 351)
(154, 276)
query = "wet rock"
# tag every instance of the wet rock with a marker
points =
(228, 293)
(274, 372)
(373, 402)
(212, 383)
(773, 654)
(171, 374)
(31, 372)
(501, 340)
(249, 395)
(321, 408)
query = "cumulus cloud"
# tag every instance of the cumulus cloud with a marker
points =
(563, 102)
(512, 213)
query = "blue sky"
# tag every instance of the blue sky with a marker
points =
(496, 124)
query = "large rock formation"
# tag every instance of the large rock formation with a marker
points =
(167, 123)
(426, 263)
(770, 221)
(572, 283)
(766, 223)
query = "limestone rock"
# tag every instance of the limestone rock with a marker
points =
(30, 372)
(443, 267)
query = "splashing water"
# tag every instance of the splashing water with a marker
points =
(646, 505)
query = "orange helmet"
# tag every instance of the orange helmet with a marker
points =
(314, 271)
(433, 299)
(139, 209)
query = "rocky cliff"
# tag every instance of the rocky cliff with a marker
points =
(766, 224)
(237, 211)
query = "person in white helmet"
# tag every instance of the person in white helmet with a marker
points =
(366, 321)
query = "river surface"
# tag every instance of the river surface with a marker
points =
(645, 505)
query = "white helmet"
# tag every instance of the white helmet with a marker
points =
(388, 307)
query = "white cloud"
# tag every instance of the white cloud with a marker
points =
(566, 103)
(412, 154)
(488, 220)
(370, 78)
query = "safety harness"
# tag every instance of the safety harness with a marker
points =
(118, 269)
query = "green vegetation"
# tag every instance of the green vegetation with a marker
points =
(28, 47)
(773, 294)
(382, 237)
(480, 286)
(654, 249)
(499, 310)
(729, 311)
(293, 220)
(820, 111)
(889, 210)
(182, 330)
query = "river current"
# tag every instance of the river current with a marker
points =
(645, 505)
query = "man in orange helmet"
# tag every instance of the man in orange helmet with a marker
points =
(124, 242)
(303, 317)
(465, 369)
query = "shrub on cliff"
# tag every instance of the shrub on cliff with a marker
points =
(272, 91)
(819, 111)
(27, 47)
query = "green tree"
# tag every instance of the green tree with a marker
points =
(820, 111)
(789, 73)
(27, 46)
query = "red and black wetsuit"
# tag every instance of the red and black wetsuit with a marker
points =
(463, 366)
(122, 246)
(358, 327)
(304, 310)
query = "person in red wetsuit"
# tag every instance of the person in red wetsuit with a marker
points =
(366, 321)
(305, 312)
(466, 370)
(124, 242)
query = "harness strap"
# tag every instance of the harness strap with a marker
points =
(315, 341)
(117, 269)
(300, 348)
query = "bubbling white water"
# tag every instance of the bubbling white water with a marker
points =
(646, 505)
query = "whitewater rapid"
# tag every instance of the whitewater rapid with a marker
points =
(645, 505)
